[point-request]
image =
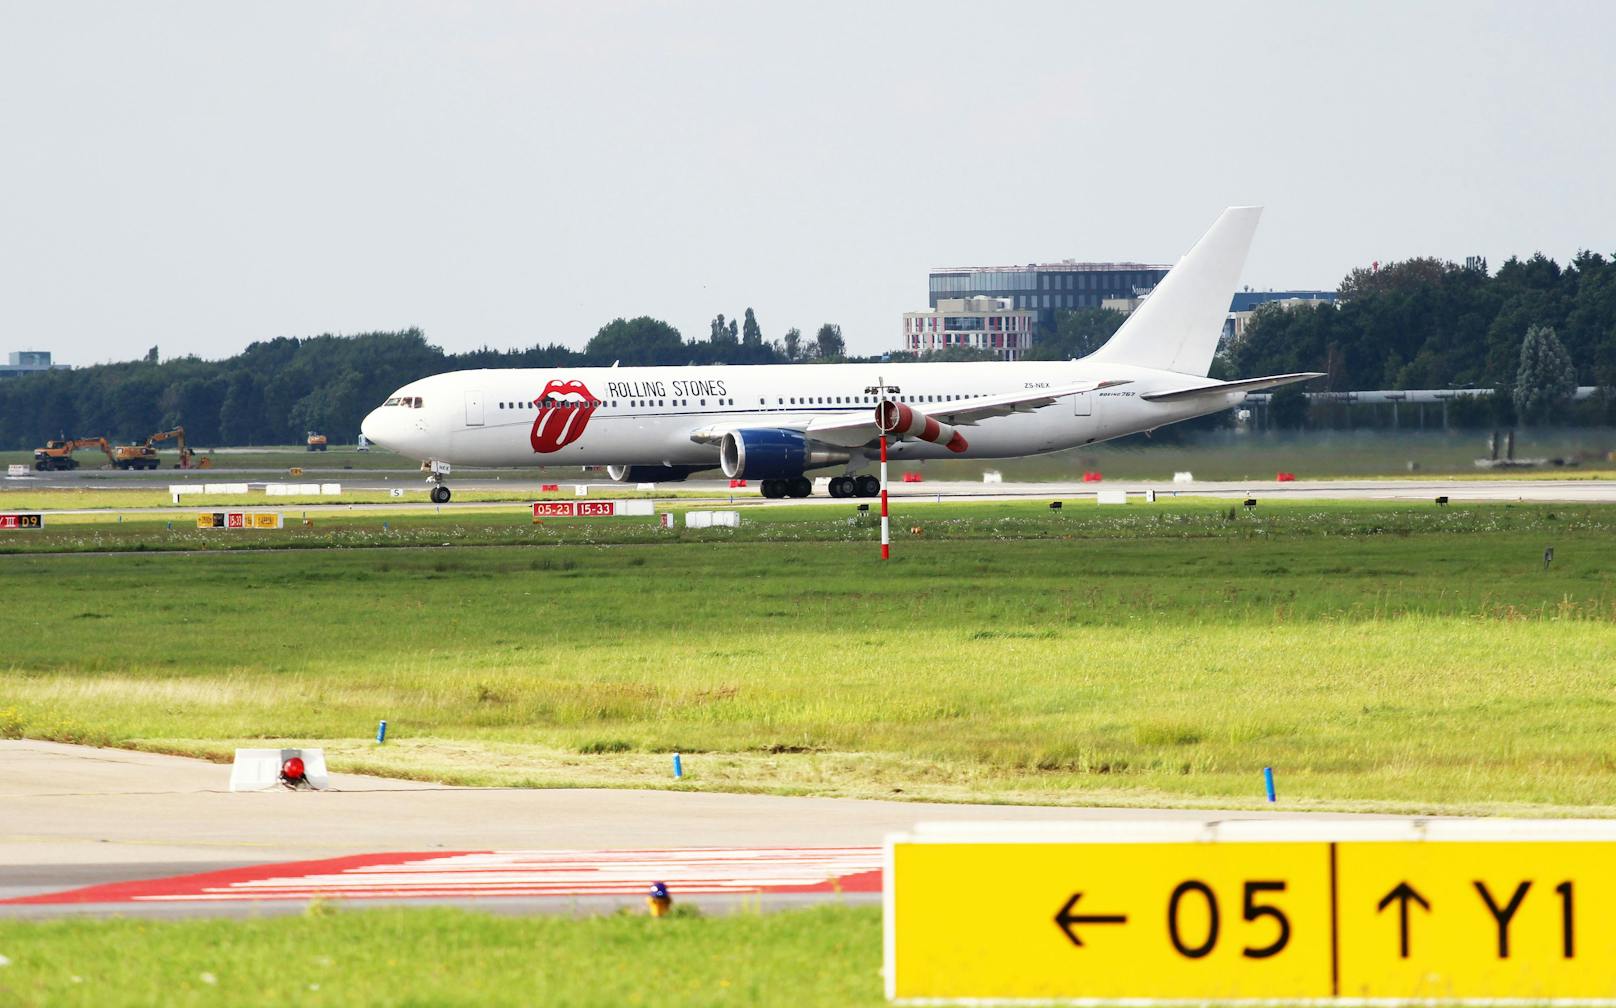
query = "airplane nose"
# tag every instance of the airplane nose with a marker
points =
(372, 427)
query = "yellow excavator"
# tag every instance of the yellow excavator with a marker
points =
(57, 455)
(144, 456)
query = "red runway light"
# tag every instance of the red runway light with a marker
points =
(292, 771)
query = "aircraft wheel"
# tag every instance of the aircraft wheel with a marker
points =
(771, 489)
(841, 486)
(869, 486)
(801, 486)
(440, 495)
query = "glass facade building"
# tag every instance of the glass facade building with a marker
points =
(1047, 287)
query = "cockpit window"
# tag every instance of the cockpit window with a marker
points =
(412, 402)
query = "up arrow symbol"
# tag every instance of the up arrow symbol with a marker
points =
(1403, 894)
(1065, 919)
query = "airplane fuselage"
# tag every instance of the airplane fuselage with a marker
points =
(646, 415)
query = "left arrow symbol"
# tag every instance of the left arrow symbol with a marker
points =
(1066, 920)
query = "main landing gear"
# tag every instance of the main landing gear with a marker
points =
(855, 486)
(796, 486)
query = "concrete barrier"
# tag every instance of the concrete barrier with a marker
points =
(712, 519)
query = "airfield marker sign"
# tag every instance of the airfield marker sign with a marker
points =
(592, 509)
(1321, 912)
(21, 521)
(239, 520)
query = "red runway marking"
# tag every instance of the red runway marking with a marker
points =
(509, 873)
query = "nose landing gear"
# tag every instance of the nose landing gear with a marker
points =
(437, 471)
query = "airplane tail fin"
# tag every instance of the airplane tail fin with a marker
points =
(1178, 325)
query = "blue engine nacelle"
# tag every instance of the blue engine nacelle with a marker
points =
(763, 454)
(652, 473)
(773, 453)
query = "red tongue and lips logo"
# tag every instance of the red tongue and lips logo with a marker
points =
(562, 418)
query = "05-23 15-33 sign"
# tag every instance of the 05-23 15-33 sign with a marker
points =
(1324, 912)
(592, 509)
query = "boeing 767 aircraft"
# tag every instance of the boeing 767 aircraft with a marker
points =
(777, 422)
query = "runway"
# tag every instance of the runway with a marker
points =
(161, 836)
(710, 493)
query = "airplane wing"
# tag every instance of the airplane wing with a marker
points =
(858, 427)
(1220, 388)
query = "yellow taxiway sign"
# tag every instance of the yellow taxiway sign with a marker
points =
(1311, 911)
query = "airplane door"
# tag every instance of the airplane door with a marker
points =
(1082, 404)
(474, 408)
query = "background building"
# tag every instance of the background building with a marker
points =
(1048, 287)
(1247, 301)
(24, 362)
(984, 323)
(1043, 290)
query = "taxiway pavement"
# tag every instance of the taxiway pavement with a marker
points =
(78, 816)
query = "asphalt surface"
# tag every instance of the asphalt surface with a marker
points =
(699, 493)
(78, 816)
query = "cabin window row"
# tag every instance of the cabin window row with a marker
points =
(645, 403)
(578, 403)
(856, 400)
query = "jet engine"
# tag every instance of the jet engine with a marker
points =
(897, 418)
(771, 453)
(652, 473)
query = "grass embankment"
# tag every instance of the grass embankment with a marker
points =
(1238, 453)
(823, 956)
(1377, 657)
(282, 457)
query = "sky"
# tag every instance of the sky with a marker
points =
(198, 176)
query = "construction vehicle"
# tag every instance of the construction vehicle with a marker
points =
(57, 455)
(316, 441)
(138, 455)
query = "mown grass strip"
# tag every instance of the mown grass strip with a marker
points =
(822, 956)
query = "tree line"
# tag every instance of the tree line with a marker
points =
(276, 391)
(1423, 323)
(1533, 331)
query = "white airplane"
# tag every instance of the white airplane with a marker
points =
(776, 422)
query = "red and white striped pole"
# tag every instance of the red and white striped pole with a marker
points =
(886, 539)
(883, 425)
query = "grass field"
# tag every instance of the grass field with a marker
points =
(825, 956)
(1376, 656)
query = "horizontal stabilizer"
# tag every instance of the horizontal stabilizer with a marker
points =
(1223, 388)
